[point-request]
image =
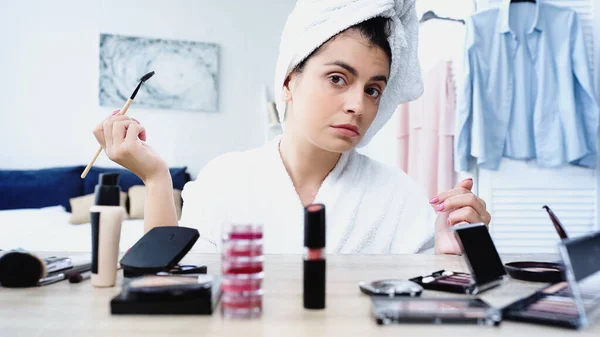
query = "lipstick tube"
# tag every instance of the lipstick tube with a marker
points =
(314, 257)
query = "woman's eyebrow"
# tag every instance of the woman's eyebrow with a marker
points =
(379, 78)
(344, 65)
(354, 72)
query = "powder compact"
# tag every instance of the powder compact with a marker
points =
(572, 304)
(533, 271)
(483, 260)
(190, 294)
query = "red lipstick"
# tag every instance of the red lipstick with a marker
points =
(314, 257)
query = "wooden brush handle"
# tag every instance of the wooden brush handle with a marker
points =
(89, 166)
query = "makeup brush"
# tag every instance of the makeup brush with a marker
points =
(557, 225)
(122, 112)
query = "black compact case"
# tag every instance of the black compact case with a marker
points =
(159, 250)
(483, 260)
(195, 294)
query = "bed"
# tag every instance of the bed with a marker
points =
(48, 229)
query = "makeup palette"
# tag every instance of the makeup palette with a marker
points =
(572, 304)
(551, 306)
(448, 281)
(242, 268)
(483, 260)
(192, 294)
(387, 310)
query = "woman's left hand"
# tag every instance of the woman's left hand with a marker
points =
(456, 206)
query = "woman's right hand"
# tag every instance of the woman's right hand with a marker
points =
(124, 141)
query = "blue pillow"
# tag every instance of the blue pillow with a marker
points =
(127, 179)
(180, 176)
(40, 188)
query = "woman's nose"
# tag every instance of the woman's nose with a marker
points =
(355, 102)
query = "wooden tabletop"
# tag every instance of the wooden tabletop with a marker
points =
(65, 309)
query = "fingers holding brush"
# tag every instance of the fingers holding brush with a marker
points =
(124, 141)
(116, 147)
(103, 130)
(135, 132)
(121, 129)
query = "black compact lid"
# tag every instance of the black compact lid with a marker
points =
(480, 253)
(314, 226)
(159, 250)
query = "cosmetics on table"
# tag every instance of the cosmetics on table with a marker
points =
(391, 288)
(160, 250)
(242, 271)
(80, 277)
(533, 271)
(483, 260)
(387, 310)
(190, 294)
(20, 268)
(314, 273)
(106, 218)
(64, 274)
(572, 304)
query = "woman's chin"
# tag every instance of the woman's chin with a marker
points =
(339, 144)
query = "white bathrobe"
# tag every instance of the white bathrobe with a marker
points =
(371, 208)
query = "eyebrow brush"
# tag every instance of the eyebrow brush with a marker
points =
(557, 224)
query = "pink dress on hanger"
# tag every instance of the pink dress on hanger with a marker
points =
(425, 132)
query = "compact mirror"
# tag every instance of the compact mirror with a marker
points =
(391, 288)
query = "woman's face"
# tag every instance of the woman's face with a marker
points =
(335, 98)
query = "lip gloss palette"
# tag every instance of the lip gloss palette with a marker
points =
(242, 270)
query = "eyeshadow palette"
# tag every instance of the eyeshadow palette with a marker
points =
(550, 306)
(448, 281)
(387, 310)
(572, 304)
(483, 260)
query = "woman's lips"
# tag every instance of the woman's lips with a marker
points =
(347, 130)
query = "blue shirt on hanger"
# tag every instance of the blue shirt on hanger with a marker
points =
(528, 90)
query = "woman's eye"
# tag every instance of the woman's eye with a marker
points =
(337, 80)
(373, 92)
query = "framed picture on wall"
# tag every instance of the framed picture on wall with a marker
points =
(186, 72)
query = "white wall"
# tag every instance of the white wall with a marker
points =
(49, 76)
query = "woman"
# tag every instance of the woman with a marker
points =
(344, 66)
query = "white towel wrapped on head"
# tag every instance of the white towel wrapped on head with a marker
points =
(314, 22)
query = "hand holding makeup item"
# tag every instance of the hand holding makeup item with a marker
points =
(124, 141)
(123, 111)
(457, 206)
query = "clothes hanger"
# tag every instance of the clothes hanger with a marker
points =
(430, 15)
